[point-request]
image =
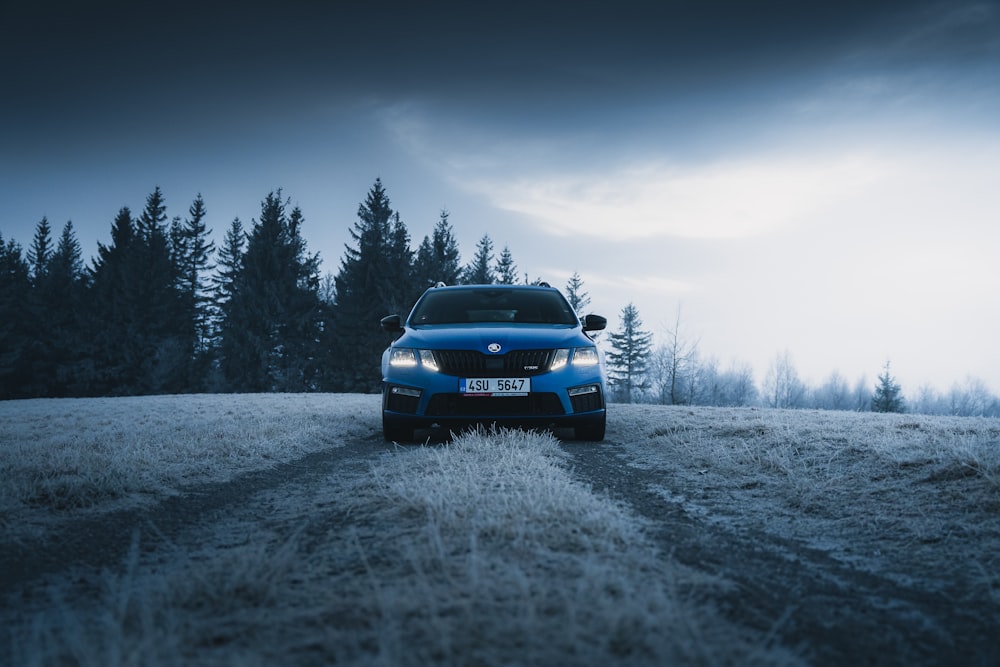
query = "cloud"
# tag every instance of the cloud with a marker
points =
(725, 200)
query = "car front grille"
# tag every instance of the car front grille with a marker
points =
(456, 405)
(469, 363)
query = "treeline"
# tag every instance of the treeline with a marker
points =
(674, 372)
(160, 309)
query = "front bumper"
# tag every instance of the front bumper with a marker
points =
(569, 397)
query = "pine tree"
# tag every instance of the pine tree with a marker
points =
(40, 251)
(36, 354)
(223, 285)
(230, 260)
(192, 251)
(271, 326)
(110, 320)
(506, 270)
(480, 270)
(578, 299)
(888, 395)
(437, 258)
(15, 331)
(369, 286)
(398, 290)
(64, 300)
(162, 334)
(629, 359)
(138, 325)
(56, 313)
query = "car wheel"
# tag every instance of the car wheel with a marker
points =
(591, 432)
(396, 432)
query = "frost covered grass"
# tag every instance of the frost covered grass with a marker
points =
(483, 551)
(911, 497)
(513, 561)
(59, 457)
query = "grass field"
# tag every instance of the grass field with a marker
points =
(487, 550)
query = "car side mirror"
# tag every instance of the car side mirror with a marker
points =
(594, 323)
(392, 323)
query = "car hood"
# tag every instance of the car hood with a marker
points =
(480, 336)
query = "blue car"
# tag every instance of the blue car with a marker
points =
(493, 354)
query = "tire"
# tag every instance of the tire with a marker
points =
(591, 432)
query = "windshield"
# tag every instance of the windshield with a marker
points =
(493, 305)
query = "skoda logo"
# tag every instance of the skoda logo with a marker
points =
(493, 347)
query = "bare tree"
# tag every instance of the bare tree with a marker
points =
(678, 366)
(973, 399)
(782, 386)
(834, 394)
(861, 395)
(740, 388)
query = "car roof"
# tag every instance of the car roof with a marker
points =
(456, 288)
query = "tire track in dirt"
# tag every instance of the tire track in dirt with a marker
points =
(802, 597)
(104, 540)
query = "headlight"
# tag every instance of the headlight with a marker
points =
(405, 357)
(585, 356)
(559, 360)
(428, 360)
(402, 357)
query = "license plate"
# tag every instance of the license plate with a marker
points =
(495, 386)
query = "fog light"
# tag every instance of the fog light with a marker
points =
(405, 391)
(582, 391)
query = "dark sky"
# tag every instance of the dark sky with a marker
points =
(674, 153)
(88, 66)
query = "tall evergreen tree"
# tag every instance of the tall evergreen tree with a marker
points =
(40, 251)
(110, 321)
(480, 270)
(56, 313)
(64, 297)
(230, 260)
(629, 358)
(506, 269)
(15, 331)
(67, 261)
(398, 288)
(888, 395)
(577, 298)
(223, 286)
(138, 324)
(36, 354)
(271, 320)
(192, 250)
(425, 266)
(370, 286)
(164, 321)
(438, 258)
